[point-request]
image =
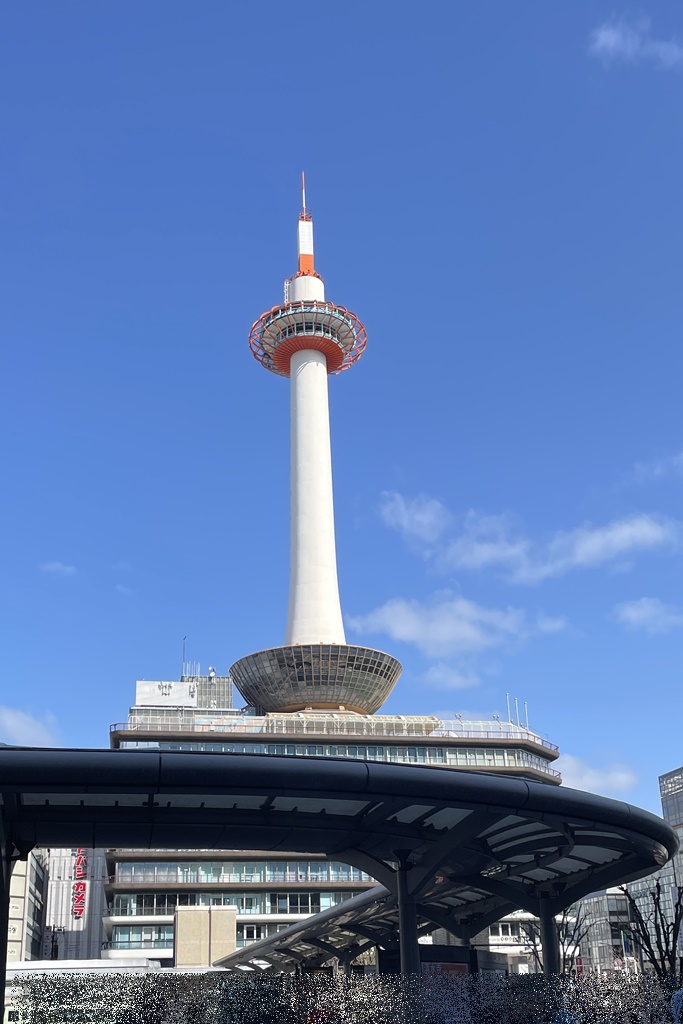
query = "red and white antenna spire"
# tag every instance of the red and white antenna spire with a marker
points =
(305, 239)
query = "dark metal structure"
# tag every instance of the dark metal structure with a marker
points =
(454, 849)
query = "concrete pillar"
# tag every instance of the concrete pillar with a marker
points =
(204, 935)
(550, 943)
(314, 615)
(407, 925)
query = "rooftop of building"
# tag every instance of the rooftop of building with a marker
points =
(183, 715)
(304, 723)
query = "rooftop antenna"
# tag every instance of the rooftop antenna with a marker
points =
(182, 670)
(526, 715)
(303, 193)
(517, 711)
(507, 699)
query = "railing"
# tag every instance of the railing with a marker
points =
(264, 909)
(140, 911)
(138, 944)
(276, 725)
(194, 878)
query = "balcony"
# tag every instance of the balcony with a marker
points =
(121, 949)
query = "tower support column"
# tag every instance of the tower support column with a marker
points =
(314, 607)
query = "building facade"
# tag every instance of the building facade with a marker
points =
(144, 889)
(670, 876)
(74, 928)
(28, 895)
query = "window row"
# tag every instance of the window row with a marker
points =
(247, 933)
(192, 872)
(137, 936)
(141, 904)
(461, 757)
(507, 929)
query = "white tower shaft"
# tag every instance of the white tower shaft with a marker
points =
(314, 608)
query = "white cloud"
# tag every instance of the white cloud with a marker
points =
(618, 40)
(422, 517)
(551, 623)
(488, 541)
(120, 589)
(449, 625)
(58, 568)
(665, 468)
(494, 542)
(649, 614)
(612, 778)
(590, 546)
(446, 677)
(19, 728)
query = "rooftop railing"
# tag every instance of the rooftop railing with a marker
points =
(331, 725)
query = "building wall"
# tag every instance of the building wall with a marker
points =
(70, 934)
(28, 892)
(671, 875)
(203, 935)
(607, 946)
(147, 889)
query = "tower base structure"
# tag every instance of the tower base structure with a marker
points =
(331, 677)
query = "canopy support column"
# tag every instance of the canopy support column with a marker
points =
(549, 938)
(407, 923)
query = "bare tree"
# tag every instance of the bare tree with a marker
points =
(655, 930)
(572, 929)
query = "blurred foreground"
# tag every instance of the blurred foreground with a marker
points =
(321, 999)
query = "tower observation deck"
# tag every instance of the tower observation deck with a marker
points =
(307, 338)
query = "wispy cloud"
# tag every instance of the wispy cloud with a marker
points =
(590, 546)
(447, 677)
(486, 541)
(448, 625)
(631, 42)
(612, 778)
(422, 517)
(58, 568)
(668, 467)
(650, 615)
(120, 589)
(495, 542)
(19, 728)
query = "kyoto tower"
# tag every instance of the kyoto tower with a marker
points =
(306, 339)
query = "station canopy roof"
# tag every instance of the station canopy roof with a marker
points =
(475, 845)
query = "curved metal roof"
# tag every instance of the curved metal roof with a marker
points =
(477, 845)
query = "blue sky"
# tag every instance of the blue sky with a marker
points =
(496, 193)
